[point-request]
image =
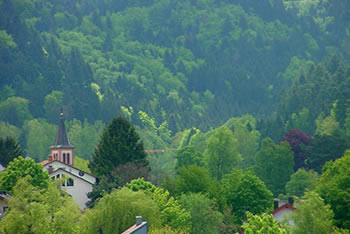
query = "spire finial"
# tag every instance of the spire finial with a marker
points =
(61, 113)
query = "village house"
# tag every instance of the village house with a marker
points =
(60, 164)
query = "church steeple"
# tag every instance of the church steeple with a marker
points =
(61, 137)
(62, 150)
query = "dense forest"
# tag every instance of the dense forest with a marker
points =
(259, 86)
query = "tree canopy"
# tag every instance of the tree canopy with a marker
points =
(9, 149)
(20, 168)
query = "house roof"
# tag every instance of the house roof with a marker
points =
(285, 206)
(62, 140)
(61, 169)
(134, 228)
(46, 162)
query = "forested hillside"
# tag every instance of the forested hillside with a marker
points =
(240, 101)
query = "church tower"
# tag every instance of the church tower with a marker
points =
(62, 150)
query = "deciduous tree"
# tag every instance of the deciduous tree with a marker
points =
(301, 181)
(37, 210)
(246, 192)
(204, 216)
(312, 216)
(274, 165)
(334, 188)
(263, 223)
(221, 153)
(20, 168)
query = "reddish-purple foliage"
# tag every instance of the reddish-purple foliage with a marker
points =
(297, 139)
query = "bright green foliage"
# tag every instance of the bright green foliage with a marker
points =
(300, 121)
(327, 126)
(9, 149)
(262, 224)
(221, 154)
(37, 210)
(171, 212)
(81, 164)
(116, 212)
(193, 179)
(118, 144)
(84, 136)
(204, 216)
(312, 215)
(244, 191)
(301, 181)
(274, 165)
(40, 136)
(188, 156)
(20, 168)
(6, 40)
(333, 187)
(8, 130)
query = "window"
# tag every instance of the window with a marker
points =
(70, 182)
(68, 159)
(81, 173)
(57, 176)
(64, 157)
(52, 177)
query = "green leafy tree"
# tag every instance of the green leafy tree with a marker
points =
(172, 213)
(20, 168)
(244, 191)
(188, 156)
(8, 130)
(262, 224)
(274, 165)
(221, 153)
(36, 210)
(333, 187)
(40, 136)
(15, 110)
(115, 212)
(9, 149)
(312, 215)
(204, 216)
(193, 179)
(84, 136)
(301, 181)
(118, 145)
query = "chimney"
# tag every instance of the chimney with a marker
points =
(290, 201)
(50, 169)
(138, 220)
(49, 158)
(275, 204)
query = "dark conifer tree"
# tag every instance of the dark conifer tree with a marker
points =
(9, 149)
(118, 145)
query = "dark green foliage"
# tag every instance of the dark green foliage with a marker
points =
(246, 192)
(118, 145)
(274, 165)
(326, 147)
(9, 149)
(188, 156)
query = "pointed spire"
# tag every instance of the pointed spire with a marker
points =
(61, 137)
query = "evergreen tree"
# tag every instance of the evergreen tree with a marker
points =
(118, 145)
(9, 149)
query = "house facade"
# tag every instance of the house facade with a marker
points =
(60, 164)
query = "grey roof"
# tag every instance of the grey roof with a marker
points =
(61, 137)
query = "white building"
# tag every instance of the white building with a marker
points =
(60, 164)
